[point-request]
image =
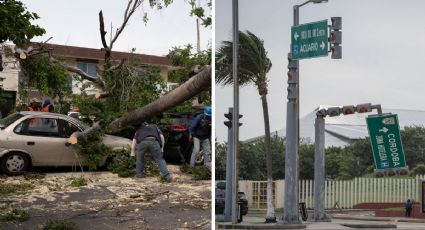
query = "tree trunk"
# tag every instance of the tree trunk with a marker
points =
(184, 92)
(78, 136)
(270, 216)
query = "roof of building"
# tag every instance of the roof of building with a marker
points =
(343, 130)
(98, 54)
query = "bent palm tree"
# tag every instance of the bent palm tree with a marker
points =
(253, 67)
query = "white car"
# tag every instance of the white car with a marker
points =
(41, 139)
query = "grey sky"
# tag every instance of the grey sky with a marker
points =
(76, 23)
(383, 48)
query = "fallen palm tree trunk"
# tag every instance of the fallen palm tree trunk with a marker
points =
(184, 92)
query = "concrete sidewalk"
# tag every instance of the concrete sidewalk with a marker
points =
(374, 218)
(338, 221)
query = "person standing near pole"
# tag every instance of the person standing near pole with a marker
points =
(409, 205)
(200, 132)
(149, 138)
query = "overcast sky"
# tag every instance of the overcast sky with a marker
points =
(383, 58)
(76, 23)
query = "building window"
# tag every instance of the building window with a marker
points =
(87, 67)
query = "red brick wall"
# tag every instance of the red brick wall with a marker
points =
(378, 207)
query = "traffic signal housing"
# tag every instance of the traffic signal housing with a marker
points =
(335, 37)
(348, 109)
(333, 111)
(229, 116)
(364, 108)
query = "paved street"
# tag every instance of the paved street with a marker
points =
(110, 202)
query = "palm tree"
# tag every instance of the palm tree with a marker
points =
(253, 67)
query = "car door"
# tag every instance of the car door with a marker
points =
(42, 139)
(70, 156)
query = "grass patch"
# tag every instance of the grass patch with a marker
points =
(78, 181)
(125, 166)
(15, 215)
(9, 188)
(198, 172)
(58, 225)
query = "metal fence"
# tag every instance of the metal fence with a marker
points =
(342, 194)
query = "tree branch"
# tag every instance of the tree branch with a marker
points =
(184, 92)
(128, 12)
(31, 51)
(103, 32)
(78, 136)
(99, 95)
(115, 67)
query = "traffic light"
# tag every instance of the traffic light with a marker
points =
(292, 77)
(348, 109)
(292, 69)
(229, 122)
(364, 108)
(230, 117)
(333, 111)
(335, 38)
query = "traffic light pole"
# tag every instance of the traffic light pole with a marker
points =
(290, 205)
(235, 117)
(229, 169)
(319, 168)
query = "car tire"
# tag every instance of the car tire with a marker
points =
(15, 163)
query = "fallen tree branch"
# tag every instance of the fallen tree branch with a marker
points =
(79, 136)
(184, 92)
(32, 51)
(100, 95)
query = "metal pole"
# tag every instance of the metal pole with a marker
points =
(198, 35)
(319, 169)
(290, 214)
(235, 118)
(229, 170)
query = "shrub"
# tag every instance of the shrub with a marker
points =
(419, 169)
(78, 181)
(58, 225)
(15, 214)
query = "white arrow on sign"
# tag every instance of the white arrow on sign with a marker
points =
(385, 130)
(322, 45)
(296, 36)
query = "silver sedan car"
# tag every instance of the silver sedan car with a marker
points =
(41, 139)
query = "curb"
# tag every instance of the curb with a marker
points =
(261, 226)
(392, 219)
(373, 226)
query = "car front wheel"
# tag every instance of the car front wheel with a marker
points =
(14, 163)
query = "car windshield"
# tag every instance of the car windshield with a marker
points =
(9, 119)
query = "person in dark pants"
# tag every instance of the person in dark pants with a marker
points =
(149, 138)
(409, 205)
(200, 131)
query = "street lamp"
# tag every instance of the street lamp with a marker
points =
(291, 215)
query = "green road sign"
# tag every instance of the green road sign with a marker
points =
(309, 40)
(384, 133)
